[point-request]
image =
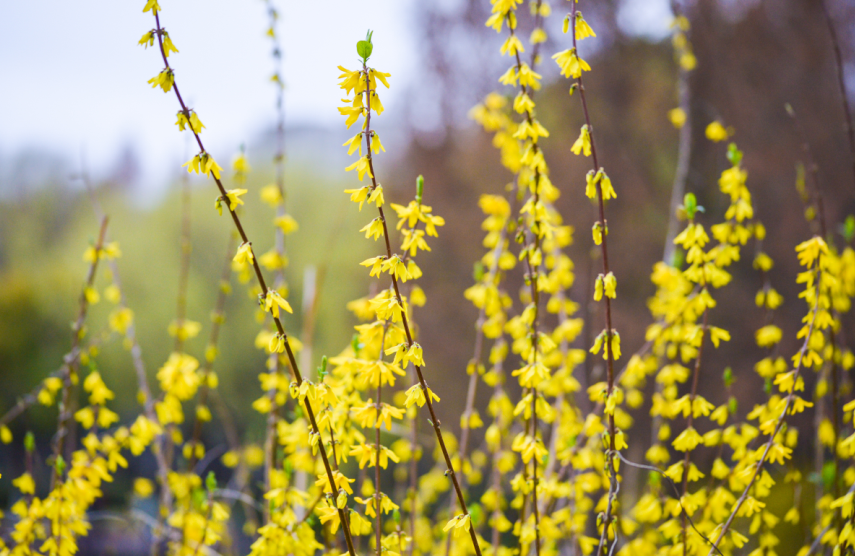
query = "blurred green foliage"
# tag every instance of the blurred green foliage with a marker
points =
(42, 272)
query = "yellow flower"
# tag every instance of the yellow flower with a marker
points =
(349, 79)
(571, 65)
(610, 283)
(810, 250)
(376, 145)
(194, 122)
(457, 523)
(406, 355)
(718, 334)
(164, 80)
(203, 163)
(768, 336)
(241, 168)
(373, 229)
(591, 180)
(234, 198)
(209, 165)
(143, 487)
(528, 77)
(273, 302)
(244, 254)
(512, 46)
(716, 132)
(583, 143)
(25, 484)
(151, 5)
(415, 395)
(148, 38)
(354, 143)
(286, 223)
(687, 440)
(271, 195)
(677, 117)
(374, 74)
(583, 30)
(362, 167)
(397, 268)
(168, 45)
(376, 264)
(121, 319)
(523, 103)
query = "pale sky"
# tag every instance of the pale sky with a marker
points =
(74, 78)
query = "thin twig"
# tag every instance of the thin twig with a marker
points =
(841, 83)
(261, 282)
(433, 419)
(778, 424)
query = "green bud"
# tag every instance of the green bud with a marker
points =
(734, 155)
(322, 370)
(478, 271)
(396, 515)
(679, 258)
(354, 343)
(59, 465)
(365, 48)
(829, 474)
(654, 479)
(420, 187)
(728, 377)
(475, 513)
(767, 387)
(849, 228)
(198, 496)
(732, 405)
(690, 206)
(211, 481)
(29, 442)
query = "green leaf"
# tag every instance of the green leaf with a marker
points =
(365, 48)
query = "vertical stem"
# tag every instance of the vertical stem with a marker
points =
(608, 317)
(73, 361)
(841, 84)
(404, 320)
(778, 424)
(686, 459)
(261, 282)
(684, 156)
(377, 494)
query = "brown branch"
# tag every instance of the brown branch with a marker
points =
(261, 282)
(71, 363)
(841, 84)
(609, 331)
(433, 419)
(778, 424)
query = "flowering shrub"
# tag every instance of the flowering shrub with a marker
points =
(540, 472)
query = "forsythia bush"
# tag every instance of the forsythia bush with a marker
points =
(541, 471)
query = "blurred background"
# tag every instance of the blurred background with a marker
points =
(75, 100)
